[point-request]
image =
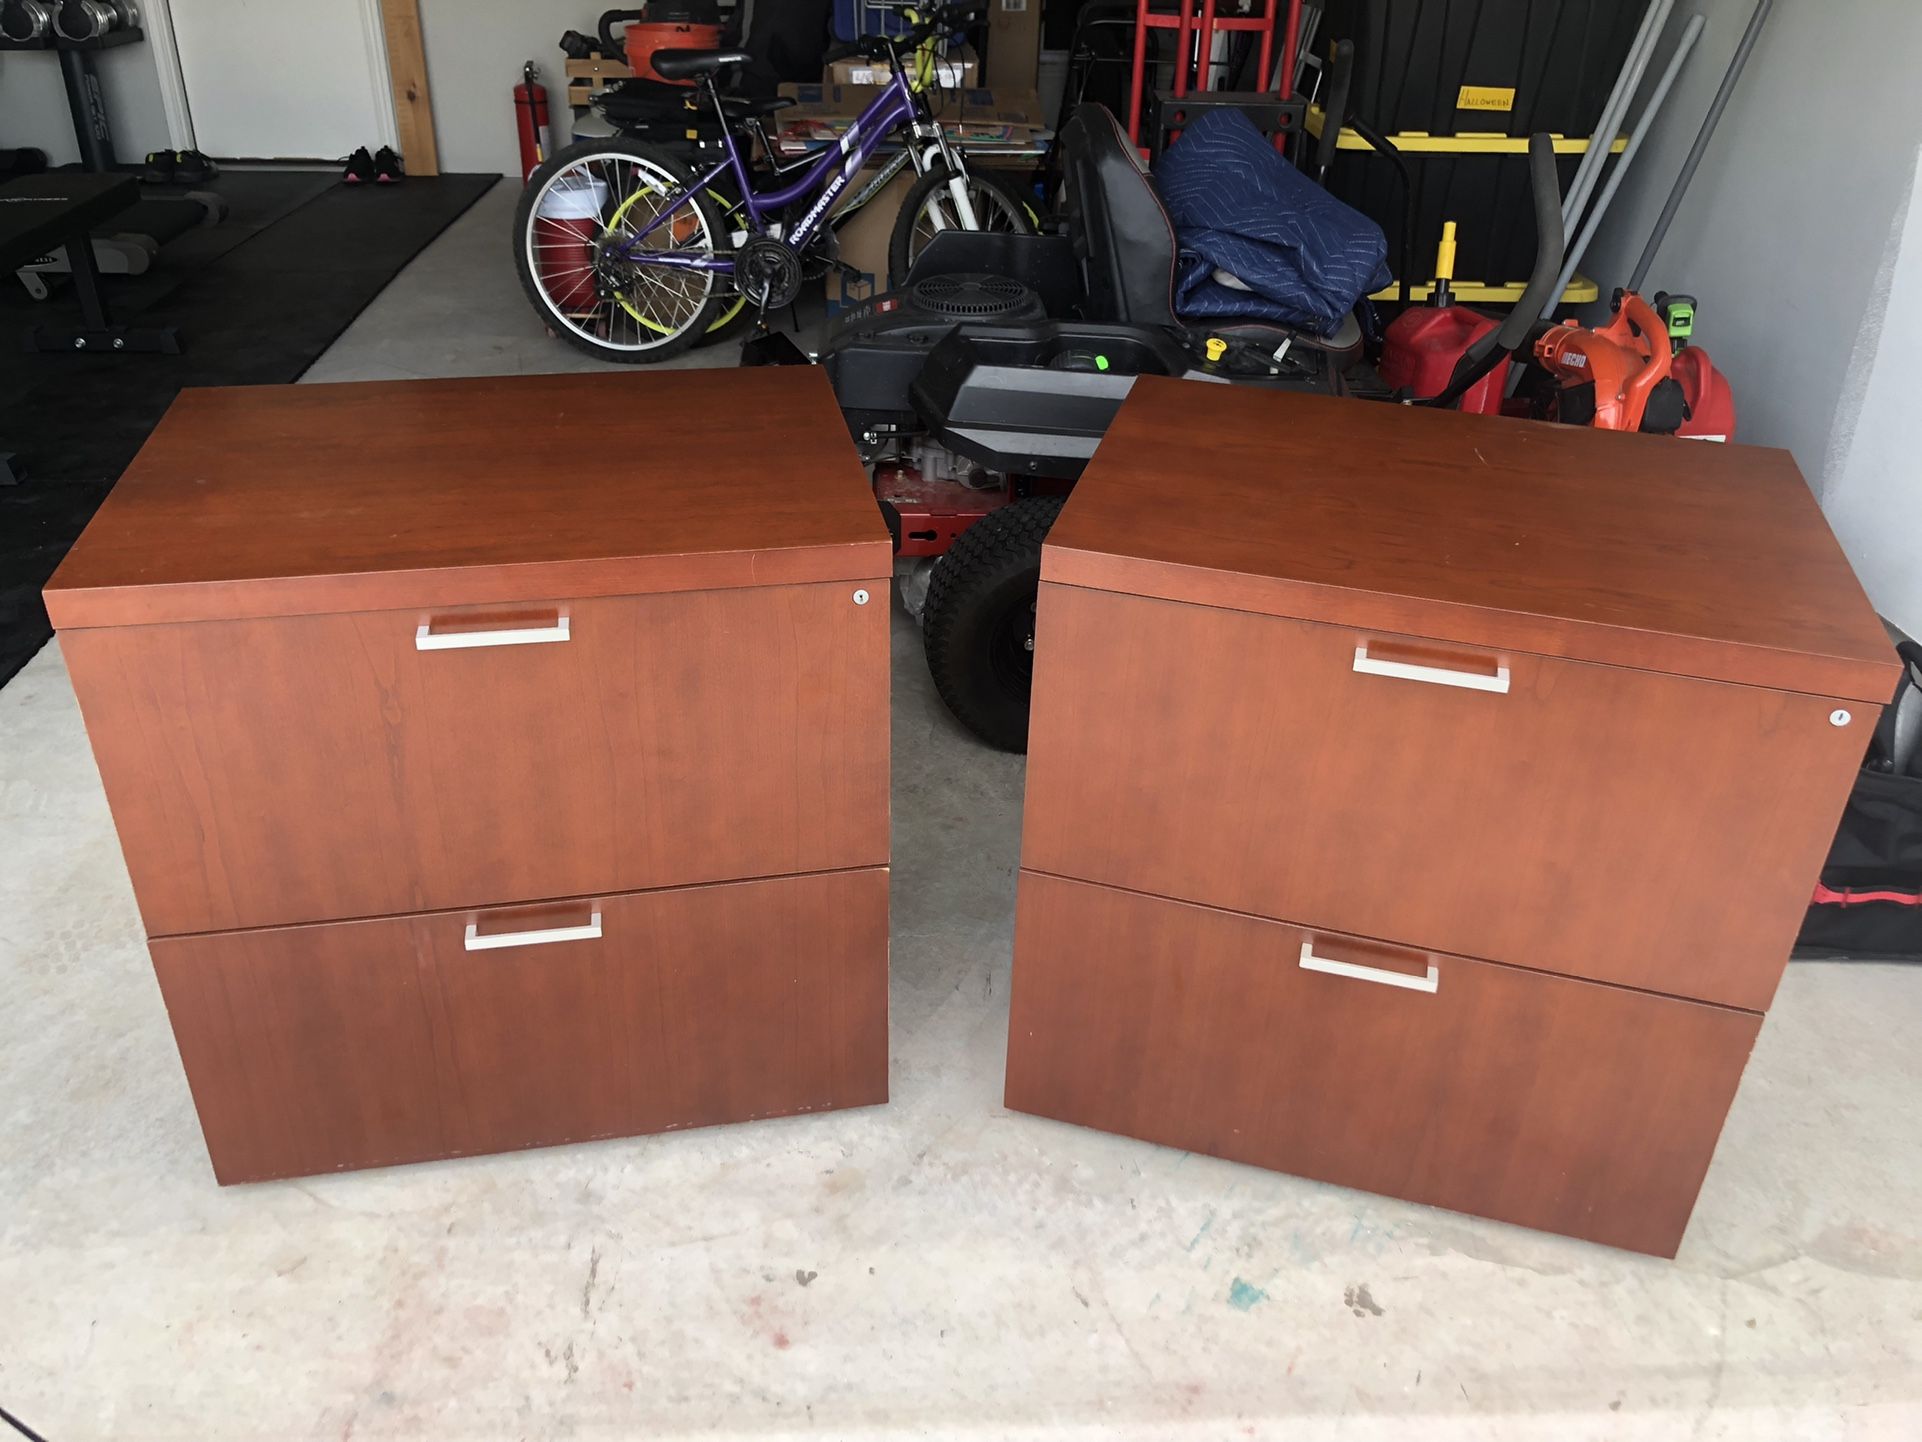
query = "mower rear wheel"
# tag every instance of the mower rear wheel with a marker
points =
(978, 626)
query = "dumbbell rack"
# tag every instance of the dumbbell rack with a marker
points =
(1196, 24)
(85, 102)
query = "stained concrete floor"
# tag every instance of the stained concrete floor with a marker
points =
(935, 1268)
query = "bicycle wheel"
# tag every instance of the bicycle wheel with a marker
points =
(731, 310)
(929, 208)
(591, 272)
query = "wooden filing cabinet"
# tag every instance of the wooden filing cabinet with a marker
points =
(1424, 802)
(497, 762)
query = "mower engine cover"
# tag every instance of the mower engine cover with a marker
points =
(1295, 254)
(874, 350)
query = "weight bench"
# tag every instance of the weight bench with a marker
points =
(42, 213)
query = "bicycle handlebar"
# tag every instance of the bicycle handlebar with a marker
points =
(880, 47)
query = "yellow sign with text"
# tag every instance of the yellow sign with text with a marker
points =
(1486, 97)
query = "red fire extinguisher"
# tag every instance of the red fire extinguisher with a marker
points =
(530, 115)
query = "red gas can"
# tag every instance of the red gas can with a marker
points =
(1422, 347)
(1711, 401)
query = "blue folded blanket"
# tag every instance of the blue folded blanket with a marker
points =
(1241, 209)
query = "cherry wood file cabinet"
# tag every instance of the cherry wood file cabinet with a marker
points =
(497, 762)
(1427, 803)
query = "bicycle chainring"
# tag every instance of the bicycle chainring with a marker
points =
(768, 272)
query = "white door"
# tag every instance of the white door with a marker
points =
(279, 80)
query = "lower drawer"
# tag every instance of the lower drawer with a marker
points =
(363, 1043)
(1567, 1105)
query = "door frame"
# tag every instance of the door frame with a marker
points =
(157, 20)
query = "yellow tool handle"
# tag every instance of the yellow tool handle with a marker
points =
(1445, 256)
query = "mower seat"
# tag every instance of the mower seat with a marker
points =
(1125, 241)
(686, 64)
(1121, 233)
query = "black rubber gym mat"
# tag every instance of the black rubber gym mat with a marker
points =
(312, 253)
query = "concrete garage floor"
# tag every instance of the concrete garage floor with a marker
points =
(934, 1268)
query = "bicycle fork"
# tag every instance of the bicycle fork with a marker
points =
(957, 174)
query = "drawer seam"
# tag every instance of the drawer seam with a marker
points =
(560, 900)
(1391, 941)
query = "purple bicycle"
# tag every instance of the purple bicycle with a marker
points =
(632, 255)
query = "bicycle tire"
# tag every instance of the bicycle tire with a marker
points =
(901, 251)
(664, 170)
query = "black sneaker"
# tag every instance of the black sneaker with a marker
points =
(193, 168)
(160, 168)
(360, 166)
(387, 166)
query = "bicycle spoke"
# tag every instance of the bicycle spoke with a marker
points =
(992, 212)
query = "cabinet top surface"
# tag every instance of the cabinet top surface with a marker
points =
(269, 500)
(1687, 556)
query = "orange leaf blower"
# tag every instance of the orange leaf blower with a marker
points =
(1628, 376)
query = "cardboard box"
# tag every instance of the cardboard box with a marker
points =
(862, 241)
(984, 120)
(1014, 44)
(959, 68)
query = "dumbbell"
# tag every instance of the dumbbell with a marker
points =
(90, 19)
(22, 20)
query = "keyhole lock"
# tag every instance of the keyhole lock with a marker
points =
(861, 599)
(1839, 717)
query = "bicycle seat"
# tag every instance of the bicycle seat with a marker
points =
(746, 107)
(685, 64)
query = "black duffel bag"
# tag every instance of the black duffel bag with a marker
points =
(640, 101)
(1869, 901)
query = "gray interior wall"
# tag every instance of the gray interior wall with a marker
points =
(1873, 493)
(1789, 233)
(33, 106)
(475, 50)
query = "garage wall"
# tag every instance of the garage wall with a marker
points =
(1795, 238)
(475, 50)
(33, 106)
(1874, 483)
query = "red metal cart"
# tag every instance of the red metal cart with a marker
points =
(1196, 24)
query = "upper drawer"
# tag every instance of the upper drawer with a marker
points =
(1627, 826)
(310, 767)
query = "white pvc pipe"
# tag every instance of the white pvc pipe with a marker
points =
(1619, 99)
(1690, 35)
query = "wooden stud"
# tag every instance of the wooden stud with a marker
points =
(407, 70)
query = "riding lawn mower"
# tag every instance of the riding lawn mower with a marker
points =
(980, 389)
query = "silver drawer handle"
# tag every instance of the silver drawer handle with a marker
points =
(1434, 675)
(477, 942)
(427, 639)
(1311, 962)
